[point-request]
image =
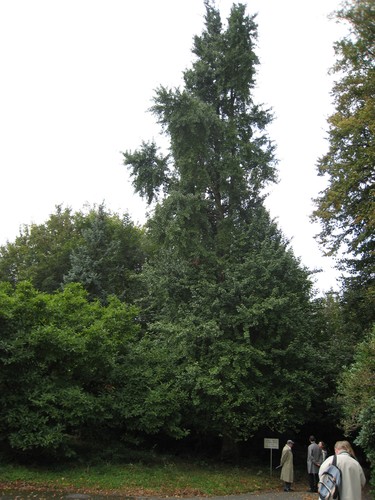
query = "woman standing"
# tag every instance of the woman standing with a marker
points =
(323, 449)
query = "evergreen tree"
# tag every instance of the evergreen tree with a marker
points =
(103, 251)
(109, 258)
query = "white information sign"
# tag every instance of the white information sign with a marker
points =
(272, 444)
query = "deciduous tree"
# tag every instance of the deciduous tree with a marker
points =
(101, 250)
(74, 371)
(346, 207)
(226, 295)
(356, 396)
(41, 253)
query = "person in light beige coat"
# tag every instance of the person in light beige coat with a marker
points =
(352, 476)
(286, 462)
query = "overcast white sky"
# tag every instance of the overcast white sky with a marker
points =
(77, 78)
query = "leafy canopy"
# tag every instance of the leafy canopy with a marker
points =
(219, 151)
(226, 297)
(101, 250)
(346, 207)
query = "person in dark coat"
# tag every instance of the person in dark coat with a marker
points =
(314, 459)
(286, 462)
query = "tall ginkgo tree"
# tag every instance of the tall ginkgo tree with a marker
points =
(225, 292)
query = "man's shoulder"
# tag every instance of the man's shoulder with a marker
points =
(346, 458)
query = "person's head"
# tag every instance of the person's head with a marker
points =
(290, 443)
(312, 439)
(322, 445)
(341, 446)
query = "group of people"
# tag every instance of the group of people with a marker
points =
(318, 461)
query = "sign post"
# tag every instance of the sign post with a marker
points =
(271, 444)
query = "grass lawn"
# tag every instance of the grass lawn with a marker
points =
(170, 478)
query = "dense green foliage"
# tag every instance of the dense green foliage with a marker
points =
(346, 207)
(337, 331)
(109, 257)
(226, 296)
(346, 211)
(72, 370)
(357, 397)
(203, 324)
(101, 250)
(236, 325)
(41, 253)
